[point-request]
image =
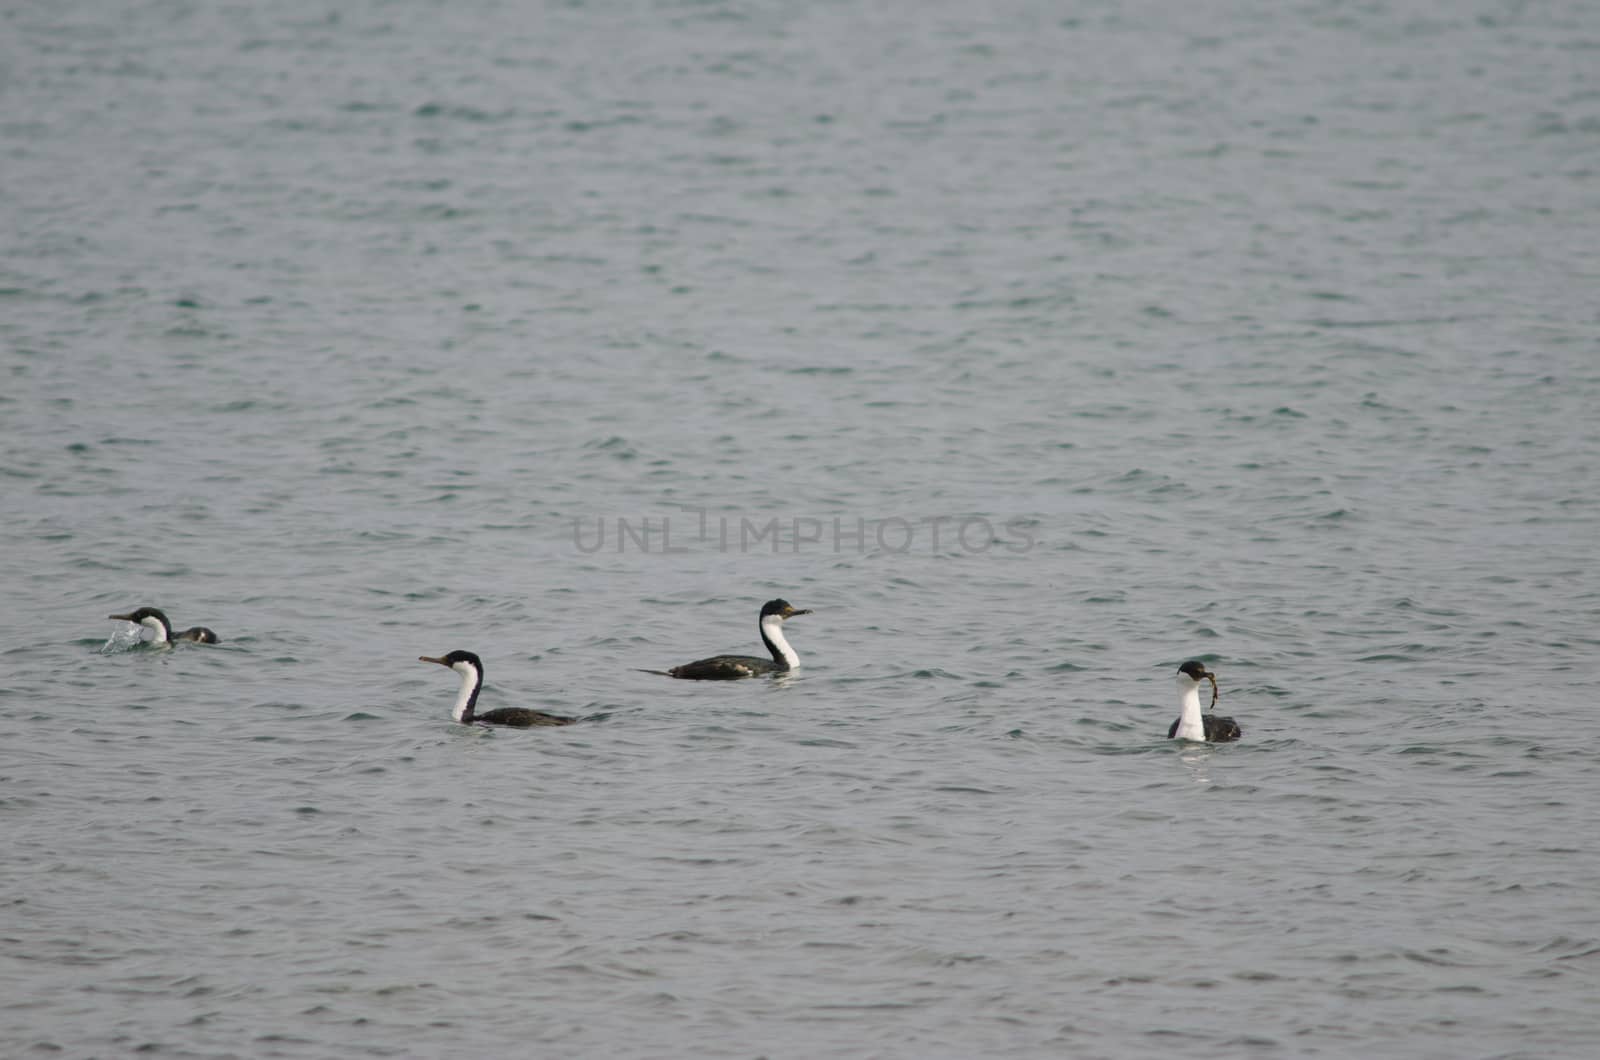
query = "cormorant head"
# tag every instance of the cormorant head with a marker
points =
(455, 660)
(1192, 673)
(781, 608)
(150, 618)
(141, 614)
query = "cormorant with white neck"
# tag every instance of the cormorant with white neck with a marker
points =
(470, 667)
(731, 667)
(152, 619)
(1191, 723)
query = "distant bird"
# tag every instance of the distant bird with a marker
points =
(732, 667)
(152, 619)
(1191, 724)
(470, 667)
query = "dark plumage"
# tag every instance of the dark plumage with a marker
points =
(156, 620)
(732, 667)
(470, 667)
(1218, 730)
(520, 718)
(726, 668)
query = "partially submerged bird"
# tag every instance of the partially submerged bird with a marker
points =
(732, 667)
(152, 619)
(1191, 723)
(470, 667)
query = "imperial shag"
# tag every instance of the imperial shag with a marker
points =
(731, 667)
(470, 667)
(154, 620)
(1191, 723)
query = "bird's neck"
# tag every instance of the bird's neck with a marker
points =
(772, 637)
(1191, 724)
(160, 634)
(467, 696)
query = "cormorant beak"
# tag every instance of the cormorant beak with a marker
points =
(121, 618)
(429, 658)
(792, 612)
(1213, 678)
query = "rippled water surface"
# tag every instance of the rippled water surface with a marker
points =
(1034, 347)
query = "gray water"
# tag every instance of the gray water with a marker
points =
(1264, 334)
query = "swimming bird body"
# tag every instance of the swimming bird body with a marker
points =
(1192, 723)
(470, 667)
(732, 667)
(154, 620)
